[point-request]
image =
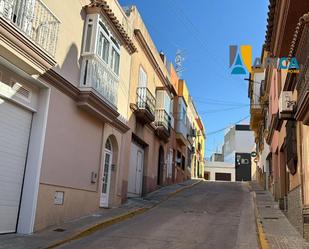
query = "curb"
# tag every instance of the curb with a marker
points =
(259, 225)
(99, 226)
(106, 223)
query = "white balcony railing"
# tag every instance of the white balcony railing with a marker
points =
(33, 19)
(145, 99)
(97, 75)
(162, 118)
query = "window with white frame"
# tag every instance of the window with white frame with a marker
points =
(106, 46)
(103, 46)
(115, 61)
(142, 81)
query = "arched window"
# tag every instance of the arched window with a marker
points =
(108, 145)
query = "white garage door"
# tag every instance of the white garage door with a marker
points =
(15, 123)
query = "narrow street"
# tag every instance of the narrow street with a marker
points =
(209, 215)
(168, 124)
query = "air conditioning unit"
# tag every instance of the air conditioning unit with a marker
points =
(286, 105)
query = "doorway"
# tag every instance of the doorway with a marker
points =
(160, 166)
(135, 181)
(106, 178)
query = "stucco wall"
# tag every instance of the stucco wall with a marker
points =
(77, 203)
(72, 145)
(244, 141)
(70, 36)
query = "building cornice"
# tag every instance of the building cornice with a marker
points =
(151, 57)
(270, 24)
(297, 33)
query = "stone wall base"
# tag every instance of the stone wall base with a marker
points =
(294, 212)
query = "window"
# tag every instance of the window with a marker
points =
(88, 36)
(115, 61)
(108, 144)
(183, 162)
(107, 48)
(142, 81)
(103, 47)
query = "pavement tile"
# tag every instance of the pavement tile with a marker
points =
(280, 233)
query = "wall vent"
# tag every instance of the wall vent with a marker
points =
(21, 91)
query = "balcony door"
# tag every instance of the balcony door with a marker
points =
(142, 79)
(142, 86)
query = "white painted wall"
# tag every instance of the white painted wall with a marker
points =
(237, 141)
(244, 141)
(219, 167)
(230, 158)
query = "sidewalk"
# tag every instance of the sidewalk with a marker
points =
(49, 238)
(276, 228)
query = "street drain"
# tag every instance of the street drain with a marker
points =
(260, 193)
(270, 218)
(268, 206)
(59, 230)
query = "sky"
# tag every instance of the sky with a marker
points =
(203, 30)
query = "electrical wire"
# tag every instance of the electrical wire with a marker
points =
(222, 129)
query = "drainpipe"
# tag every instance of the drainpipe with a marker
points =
(301, 173)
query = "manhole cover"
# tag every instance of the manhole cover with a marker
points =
(59, 230)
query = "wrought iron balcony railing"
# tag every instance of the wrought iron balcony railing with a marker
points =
(162, 118)
(34, 20)
(97, 75)
(145, 100)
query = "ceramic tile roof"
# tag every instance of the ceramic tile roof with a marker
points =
(129, 45)
(270, 23)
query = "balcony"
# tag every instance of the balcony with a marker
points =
(97, 76)
(34, 20)
(191, 132)
(181, 132)
(163, 124)
(256, 111)
(145, 105)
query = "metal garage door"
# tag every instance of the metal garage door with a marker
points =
(223, 176)
(15, 123)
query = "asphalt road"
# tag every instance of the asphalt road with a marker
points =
(209, 215)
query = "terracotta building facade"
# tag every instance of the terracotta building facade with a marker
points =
(281, 120)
